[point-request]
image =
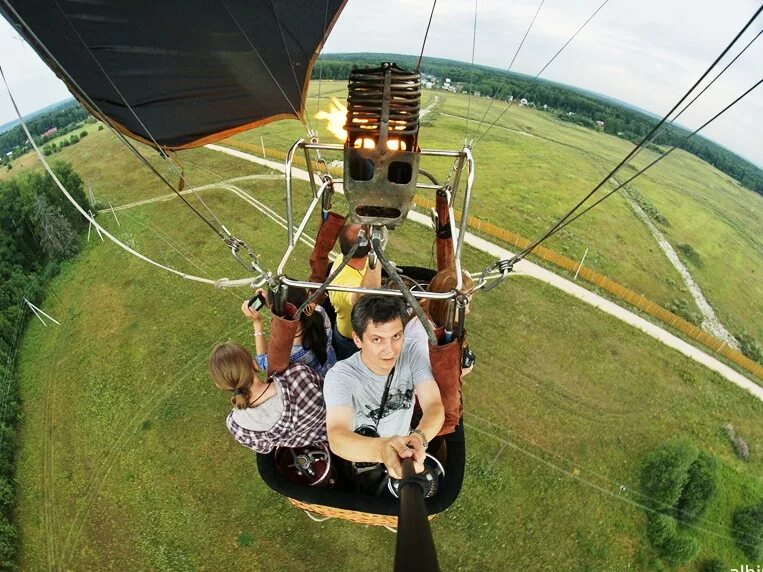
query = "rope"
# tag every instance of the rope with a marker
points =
(320, 49)
(426, 34)
(224, 282)
(548, 63)
(646, 138)
(140, 121)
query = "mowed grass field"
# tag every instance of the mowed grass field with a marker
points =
(532, 168)
(126, 464)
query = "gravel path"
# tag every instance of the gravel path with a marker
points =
(710, 321)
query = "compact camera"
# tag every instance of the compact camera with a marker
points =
(468, 358)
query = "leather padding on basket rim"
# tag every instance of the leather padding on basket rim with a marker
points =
(282, 331)
(446, 368)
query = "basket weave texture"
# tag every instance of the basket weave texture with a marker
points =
(351, 515)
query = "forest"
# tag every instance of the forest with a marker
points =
(39, 230)
(562, 100)
(68, 116)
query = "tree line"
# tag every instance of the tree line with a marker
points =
(65, 118)
(567, 103)
(39, 230)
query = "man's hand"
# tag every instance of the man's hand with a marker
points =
(396, 448)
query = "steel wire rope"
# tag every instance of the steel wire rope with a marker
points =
(591, 484)
(631, 487)
(661, 157)
(548, 63)
(511, 63)
(218, 283)
(633, 151)
(704, 89)
(291, 65)
(471, 75)
(320, 50)
(267, 68)
(665, 128)
(426, 35)
(148, 132)
(117, 133)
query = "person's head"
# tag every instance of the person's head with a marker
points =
(314, 335)
(377, 329)
(232, 369)
(348, 236)
(445, 281)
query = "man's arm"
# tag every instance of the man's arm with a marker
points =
(371, 279)
(428, 395)
(344, 442)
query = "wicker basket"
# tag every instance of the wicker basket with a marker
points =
(351, 515)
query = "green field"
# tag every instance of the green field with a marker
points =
(125, 461)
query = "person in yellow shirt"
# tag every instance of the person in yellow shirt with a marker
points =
(355, 274)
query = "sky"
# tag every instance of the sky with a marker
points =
(647, 52)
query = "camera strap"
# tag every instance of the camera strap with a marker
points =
(385, 395)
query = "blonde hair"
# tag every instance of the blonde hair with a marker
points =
(445, 281)
(230, 366)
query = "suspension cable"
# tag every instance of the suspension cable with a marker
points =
(218, 283)
(661, 157)
(320, 50)
(262, 60)
(548, 63)
(471, 76)
(306, 116)
(426, 34)
(633, 151)
(140, 121)
(511, 63)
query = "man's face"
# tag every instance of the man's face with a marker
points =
(380, 345)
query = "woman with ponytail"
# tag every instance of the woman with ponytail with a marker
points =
(312, 342)
(287, 410)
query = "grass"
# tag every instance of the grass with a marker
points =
(126, 464)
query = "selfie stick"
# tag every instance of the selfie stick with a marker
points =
(415, 549)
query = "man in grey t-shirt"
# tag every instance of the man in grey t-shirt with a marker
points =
(354, 390)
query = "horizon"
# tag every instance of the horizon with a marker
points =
(14, 122)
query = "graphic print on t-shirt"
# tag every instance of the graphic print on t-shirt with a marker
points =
(395, 401)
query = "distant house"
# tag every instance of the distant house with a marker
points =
(50, 132)
(600, 124)
(570, 113)
(522, 102)
(545, 106)
(9, 154)
(458, 87)
(477, 93)
(428, 84)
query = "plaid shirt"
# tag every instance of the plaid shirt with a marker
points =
(303, 421)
